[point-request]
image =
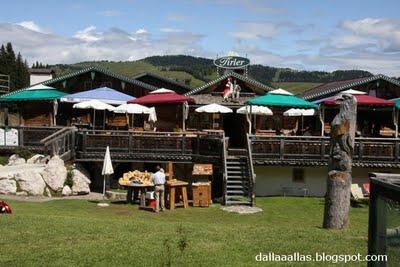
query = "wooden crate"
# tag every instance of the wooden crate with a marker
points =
(201, 195)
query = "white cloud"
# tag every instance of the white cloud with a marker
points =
(384, 33)
(141, 31)
(89, 34)
(170, 30)
(32, 26)
(92, 44)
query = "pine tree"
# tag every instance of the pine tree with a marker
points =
(14, 66)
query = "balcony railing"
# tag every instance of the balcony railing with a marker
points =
(315, 149)
(130, 145)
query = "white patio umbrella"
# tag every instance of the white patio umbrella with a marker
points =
(107, 170)
(161, 91)
(132, 109)
(95, 105)
(152, 116)
(213, 108)
(254, 110)
(353, 92)
(299, 112)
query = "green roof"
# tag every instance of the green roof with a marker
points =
(281, 100)
(33, 95)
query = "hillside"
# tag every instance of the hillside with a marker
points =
(197, 71)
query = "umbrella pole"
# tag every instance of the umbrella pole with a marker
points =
(104, 120)
(302, 124)
(183, 117)
(94, 118)
(104, 187)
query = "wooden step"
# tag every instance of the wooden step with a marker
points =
(236, 192)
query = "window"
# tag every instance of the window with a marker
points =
(298, 175)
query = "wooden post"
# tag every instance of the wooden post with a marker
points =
(337, 198)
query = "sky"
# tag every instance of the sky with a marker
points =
(301, 34)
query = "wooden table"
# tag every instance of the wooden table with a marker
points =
(133, 191)
(179, 187)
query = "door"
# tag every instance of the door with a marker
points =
(235, 127)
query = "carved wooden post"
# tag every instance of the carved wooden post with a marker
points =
(337, 199)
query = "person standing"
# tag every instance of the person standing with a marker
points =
(159, 183)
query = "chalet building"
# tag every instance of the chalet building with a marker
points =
(96, 77)
(39, 75)
(298, 164)
(379, 85)
(288, 155)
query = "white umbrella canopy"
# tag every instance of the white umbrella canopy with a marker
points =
(280, 91)
(213, 108)
(93, 104)
(107, 164)
(107, 170)
(161, 91)
(132, 109)
(353, 92)
(256, 110)
(153, 114)
(297, 112)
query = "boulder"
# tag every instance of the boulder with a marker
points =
(55, 174)
(31, 182)
(15, 160)
(8, 186)
(66, 191)
(80, 181)
(38, 159)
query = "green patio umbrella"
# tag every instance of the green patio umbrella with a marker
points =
(280, 98)
(35, 93)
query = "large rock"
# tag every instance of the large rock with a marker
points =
(38, 159)
(15, 160)
(55, 173)
(66, 191)
(80, 181)
(31, 182)
(8, 186)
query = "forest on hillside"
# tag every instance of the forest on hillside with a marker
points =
(202, 68)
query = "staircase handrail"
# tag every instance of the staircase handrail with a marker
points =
(224, 168)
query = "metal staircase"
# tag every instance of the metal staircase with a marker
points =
(239, 177)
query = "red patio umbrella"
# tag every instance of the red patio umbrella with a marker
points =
(365, 100)
(166, 97)
(161, 99)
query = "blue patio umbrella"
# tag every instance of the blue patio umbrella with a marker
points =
(104, 94)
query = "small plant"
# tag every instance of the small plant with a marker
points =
(170, 252)
(69, 181)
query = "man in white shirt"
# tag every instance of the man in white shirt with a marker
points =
(159, 182)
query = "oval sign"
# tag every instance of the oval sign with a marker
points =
(231, 62)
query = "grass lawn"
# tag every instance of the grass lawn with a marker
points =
(77, 233)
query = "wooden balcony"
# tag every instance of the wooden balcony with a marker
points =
(28, 137)
(314, 151)
(126, 146)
